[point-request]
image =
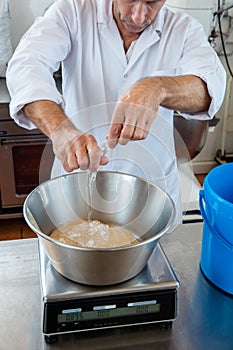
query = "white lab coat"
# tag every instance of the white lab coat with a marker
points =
(84, 37)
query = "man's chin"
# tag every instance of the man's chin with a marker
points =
(135, 29)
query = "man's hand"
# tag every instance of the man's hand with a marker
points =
(76, 149)
(134, 113)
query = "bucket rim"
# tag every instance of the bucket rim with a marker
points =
(224, 210)
(214, 231)
(219, 198)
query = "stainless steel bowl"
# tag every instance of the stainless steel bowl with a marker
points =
(117, 198)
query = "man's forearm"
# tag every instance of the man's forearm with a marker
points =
(46, 115)
(186, 94)
(139, 105)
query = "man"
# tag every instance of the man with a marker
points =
(135, 53)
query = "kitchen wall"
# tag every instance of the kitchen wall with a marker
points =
(203, 12)
(216, 140)
(24, 12)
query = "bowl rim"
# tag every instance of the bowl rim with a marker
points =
(40, 234)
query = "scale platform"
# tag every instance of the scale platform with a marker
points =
(150, 297)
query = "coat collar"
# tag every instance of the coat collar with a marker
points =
(109, 31)
(105, 16)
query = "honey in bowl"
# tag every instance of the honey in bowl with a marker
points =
(93, 234)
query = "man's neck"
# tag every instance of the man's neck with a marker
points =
(126, 36)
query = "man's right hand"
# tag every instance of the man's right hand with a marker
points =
(76, 149)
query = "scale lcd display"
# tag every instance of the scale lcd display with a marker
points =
(79, 316)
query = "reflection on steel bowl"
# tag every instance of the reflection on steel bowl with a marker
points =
(116, 199)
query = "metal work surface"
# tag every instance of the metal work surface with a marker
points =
(205, 314)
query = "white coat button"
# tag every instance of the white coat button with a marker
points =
(125, 76)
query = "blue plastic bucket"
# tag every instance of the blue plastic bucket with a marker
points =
(218, 198)
(216, 254)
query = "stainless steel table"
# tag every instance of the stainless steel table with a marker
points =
(205, 314)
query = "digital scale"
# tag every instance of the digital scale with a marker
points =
(70, 307)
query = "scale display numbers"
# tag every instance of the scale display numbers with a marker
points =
(105, 312)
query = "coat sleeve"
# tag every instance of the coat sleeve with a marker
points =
(200, 59)
(30, 73)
